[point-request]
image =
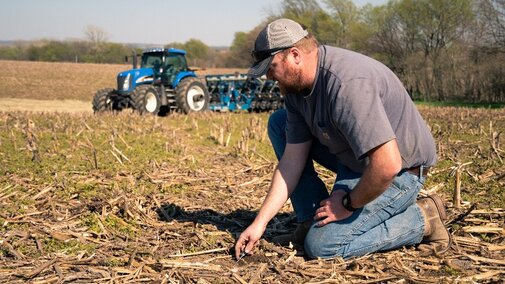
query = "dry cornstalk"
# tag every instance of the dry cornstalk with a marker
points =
(457, 189)
(495, 136)
(482, 276)
(42, 192)
(221, 136)
(198, 252)
(485, 259)
(95, 160)
(228, 140)
(31, 141)
(40, 268)
(194, 124)
(117, 158)
(257, 275)
(238, 278)
(457, 184)
(484, 230)
(120, 153)
(191, 265)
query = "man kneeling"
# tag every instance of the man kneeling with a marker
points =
(352, 115)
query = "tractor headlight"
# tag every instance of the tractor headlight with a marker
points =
(126, 83)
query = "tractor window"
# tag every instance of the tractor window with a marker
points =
(176, 61)
(150, 60)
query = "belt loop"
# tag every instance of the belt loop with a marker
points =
(421, 171)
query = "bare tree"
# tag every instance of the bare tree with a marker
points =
(492, 14)
(95, 35)
(97, 38)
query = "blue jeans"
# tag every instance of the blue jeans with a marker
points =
(390, 221)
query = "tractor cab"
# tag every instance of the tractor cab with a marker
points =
(166, 64)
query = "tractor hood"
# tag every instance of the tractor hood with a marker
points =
(129, 79)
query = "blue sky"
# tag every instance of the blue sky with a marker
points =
(134, 21)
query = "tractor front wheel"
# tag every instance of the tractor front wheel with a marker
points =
(147, 101)
(103, 101)
(192, 96)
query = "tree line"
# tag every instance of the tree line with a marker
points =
(443, 50)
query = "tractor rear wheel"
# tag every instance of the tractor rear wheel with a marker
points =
(191, 95)
(147, 100)
(103, 101)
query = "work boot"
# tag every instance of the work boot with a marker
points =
(296, 238)
(436, 238)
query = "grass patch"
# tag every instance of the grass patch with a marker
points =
(69, 247)
(120, 225)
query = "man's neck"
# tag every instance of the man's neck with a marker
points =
(311, 69)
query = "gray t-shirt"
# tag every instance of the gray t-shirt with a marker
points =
(357, 104)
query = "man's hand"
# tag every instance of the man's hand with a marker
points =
(331, 209)
(248, 239)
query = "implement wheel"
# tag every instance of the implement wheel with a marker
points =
(192, 95)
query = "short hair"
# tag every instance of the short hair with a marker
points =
(308, 43)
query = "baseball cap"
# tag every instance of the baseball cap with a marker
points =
(275, 37)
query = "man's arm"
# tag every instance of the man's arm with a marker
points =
(384, 164)
(284, 180)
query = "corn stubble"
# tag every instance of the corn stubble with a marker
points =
(128, 198)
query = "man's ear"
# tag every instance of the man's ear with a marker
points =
(297, 55)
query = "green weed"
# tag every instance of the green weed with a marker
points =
(120, 225)
(69, 247)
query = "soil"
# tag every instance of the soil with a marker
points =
(72, 106)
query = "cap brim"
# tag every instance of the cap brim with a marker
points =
(260, 68)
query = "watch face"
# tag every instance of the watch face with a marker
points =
(346, 200)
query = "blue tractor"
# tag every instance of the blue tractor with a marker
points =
(163, 83)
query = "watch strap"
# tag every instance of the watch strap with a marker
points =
(346, 202)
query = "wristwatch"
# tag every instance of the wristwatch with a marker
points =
(346, 202)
